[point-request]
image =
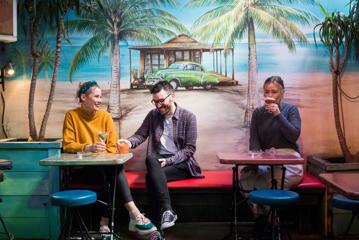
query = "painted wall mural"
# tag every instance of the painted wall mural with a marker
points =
(222, 111)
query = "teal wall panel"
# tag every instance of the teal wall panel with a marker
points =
(25, 206)
(25, 159)
(30, 228)
(26, 190)
(25, 183)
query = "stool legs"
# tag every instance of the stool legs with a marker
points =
(9, 236)
(276, 229)
(354, 214)
(71, 215)
(82, 224)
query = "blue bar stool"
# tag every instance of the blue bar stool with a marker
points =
(275, 199)
(342, 202)
(5, 165)
(71, 199)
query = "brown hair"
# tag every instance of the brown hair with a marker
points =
(274, 79)
(85, 87)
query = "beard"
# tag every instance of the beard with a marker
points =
(164, 109)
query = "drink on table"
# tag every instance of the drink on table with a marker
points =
(123, 147)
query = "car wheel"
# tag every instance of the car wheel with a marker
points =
(174, 84)
(189, 87)
(207, 86)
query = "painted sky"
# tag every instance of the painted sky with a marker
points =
(188, 15)
(272, 54)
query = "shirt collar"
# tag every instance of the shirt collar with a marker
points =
(176, 114)
(86, 115)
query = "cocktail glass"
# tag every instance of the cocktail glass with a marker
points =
(103, 136)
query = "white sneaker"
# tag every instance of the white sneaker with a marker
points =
(168, 219)
(105, 229)
(141, 225)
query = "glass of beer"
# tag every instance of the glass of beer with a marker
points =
(269, 100)
(123, 147)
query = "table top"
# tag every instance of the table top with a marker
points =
(239, 158)
(344, 182)
(72, 159)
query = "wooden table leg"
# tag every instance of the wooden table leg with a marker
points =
(328, 212)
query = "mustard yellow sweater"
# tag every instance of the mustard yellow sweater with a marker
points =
(81, 128)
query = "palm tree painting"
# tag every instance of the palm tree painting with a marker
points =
(21, 56)
(113, 21)
(36, 17)
(339, 34)
(47, 60)
(229, 21)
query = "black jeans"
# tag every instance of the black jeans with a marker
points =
(156, 181)
(103, 176)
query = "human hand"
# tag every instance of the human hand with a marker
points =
(273, 108)
(96, 147)
(162, 161)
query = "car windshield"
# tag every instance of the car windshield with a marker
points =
(176, 66)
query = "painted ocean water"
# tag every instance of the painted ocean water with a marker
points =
(272, 56)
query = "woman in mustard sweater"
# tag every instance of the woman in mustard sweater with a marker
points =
(81, 134)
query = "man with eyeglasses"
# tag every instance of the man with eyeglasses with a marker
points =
(172, 134)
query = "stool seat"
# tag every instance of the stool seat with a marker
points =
(342, 202)
(273, 197)
(5, 164)
(73, 198)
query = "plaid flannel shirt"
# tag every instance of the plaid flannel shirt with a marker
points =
(184, 135)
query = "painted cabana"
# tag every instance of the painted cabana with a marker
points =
(179, 48)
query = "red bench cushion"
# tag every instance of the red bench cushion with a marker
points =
(310, 181)
(212, 179)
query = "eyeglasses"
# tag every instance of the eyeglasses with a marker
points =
(160, 101)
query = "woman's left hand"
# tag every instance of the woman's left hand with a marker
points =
(273, 108)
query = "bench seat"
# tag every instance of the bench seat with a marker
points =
(212, 179)
(309, 181)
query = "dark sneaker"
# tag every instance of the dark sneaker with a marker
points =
(168, 219)
(156, 236)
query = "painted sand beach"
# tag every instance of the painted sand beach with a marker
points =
(219, 113)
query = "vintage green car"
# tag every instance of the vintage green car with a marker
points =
(183, 74)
